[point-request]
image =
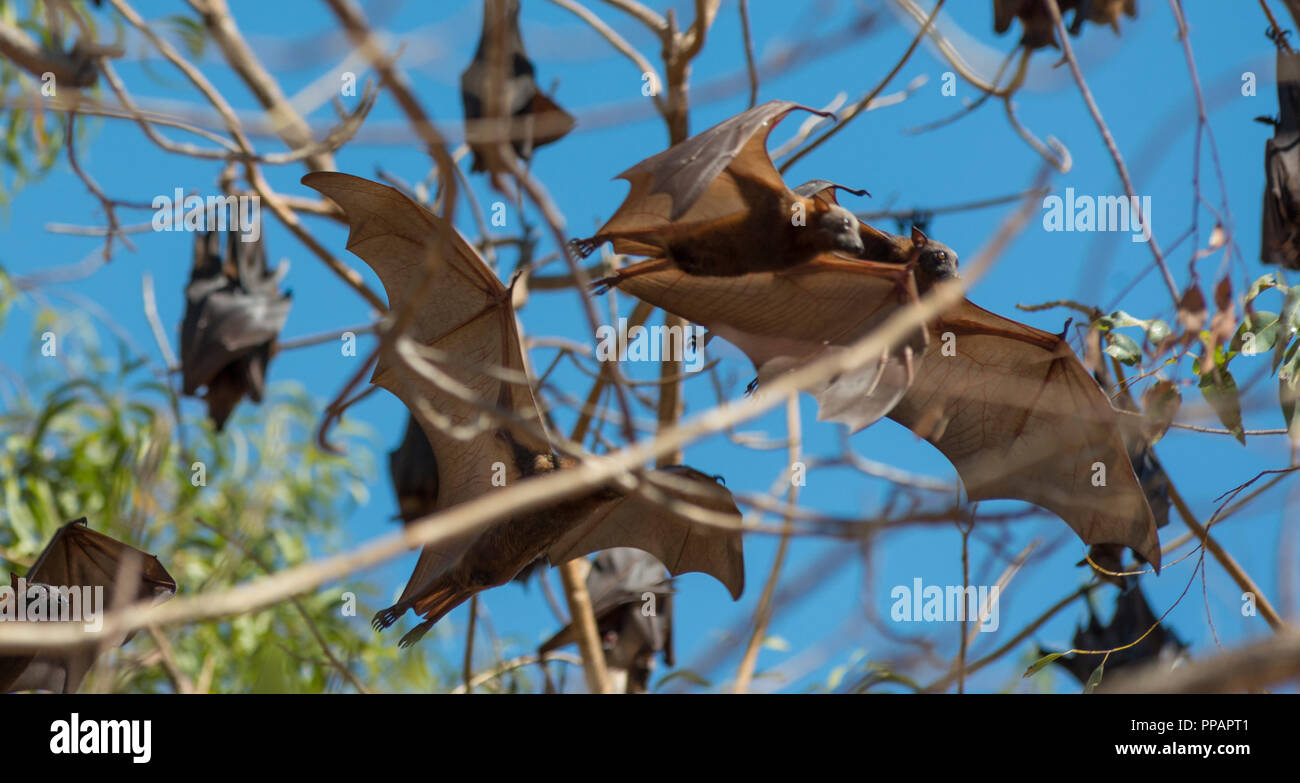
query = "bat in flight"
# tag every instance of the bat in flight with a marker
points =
(532, 118)
(714, 204)
(1009, 405)
(78, 557)
(631, 597)
(1132, 618)
(472, 324)
(1280, 243)
(234, 312)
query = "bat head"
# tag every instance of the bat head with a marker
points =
(838, 228)
(935, 259)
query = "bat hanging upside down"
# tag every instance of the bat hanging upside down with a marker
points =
(1011, 406)
(472, 325)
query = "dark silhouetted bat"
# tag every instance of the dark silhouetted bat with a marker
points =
(471, 322)
(79, 557)
(714, 204)
(533, 118)
(414, 470)
(233, 313)
(1039, 29)
(1280, 243)
(631, 597)
(1132, 618)
(1010, 406)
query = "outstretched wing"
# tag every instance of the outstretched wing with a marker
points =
(469, 319)
(701, 180)
(642, 520)
(783, 319)
(1020, 418)
(78, 557)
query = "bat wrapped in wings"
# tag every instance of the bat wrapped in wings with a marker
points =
(234, 312)
(1132, 619)
(1280, 242)
(631, 597)
(472, 325)
(714, 204)
(1010, 406)
(76, 561)
(519, 106)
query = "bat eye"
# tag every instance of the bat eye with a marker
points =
(941, 256)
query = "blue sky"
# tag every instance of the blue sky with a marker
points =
(1141, 83)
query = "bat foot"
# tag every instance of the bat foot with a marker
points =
(415, 634)
(584, 247)
(603, 285)
(385, 618)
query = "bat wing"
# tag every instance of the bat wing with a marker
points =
(701, 180)
(617, 581)
(231, 309)
(1017, 414)
(80, 557)
(785, 318)
(470, 319)
(640, 521)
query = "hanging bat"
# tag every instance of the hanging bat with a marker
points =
(1010, 406)
(1102, 12)
(1280, 243)
(233, 314)
(534, 119)
(631, 597)
(1132, 618)
(715, 205)
(78, 557)
(414, 471)
(471, 320)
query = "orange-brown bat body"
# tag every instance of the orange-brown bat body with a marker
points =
(1011, 406)
(715, 205)
(475, 404)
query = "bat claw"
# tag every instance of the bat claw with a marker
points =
(583, 247)
(415, 634)
(385, 618)
(603, 285)
(751, 388)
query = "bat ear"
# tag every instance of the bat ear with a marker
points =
(919, 239)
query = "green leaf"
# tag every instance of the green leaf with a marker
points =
(1220, 390)
(1291, 311)
(683, 674)
(1261, 285)
(1094, 679)
(1157, 331)
(1263, 325)
(1123, 348)
(1037, 665)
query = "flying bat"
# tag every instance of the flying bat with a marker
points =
(714, 204)
(532, 118)
(234, 312)
(1132, 618)
(78, 557)
(934, 261)
(472, 324)
(1009, 405)
(1280, 243)
(631, 597)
